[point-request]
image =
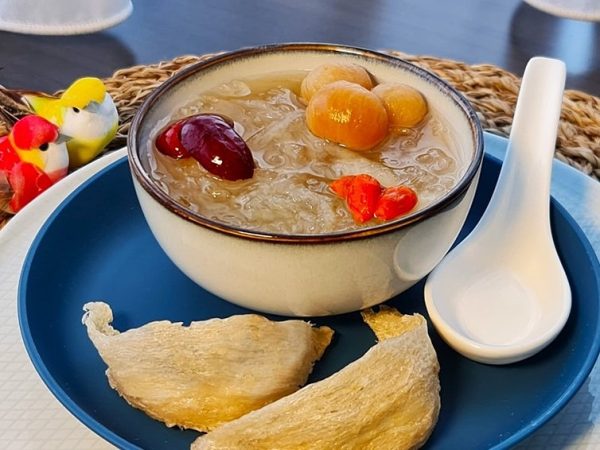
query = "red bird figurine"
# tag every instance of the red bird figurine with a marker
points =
(32, 158)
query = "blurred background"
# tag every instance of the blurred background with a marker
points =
(505, 33)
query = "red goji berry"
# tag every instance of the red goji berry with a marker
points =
(341, 185)
(395, 201)
(362, 197)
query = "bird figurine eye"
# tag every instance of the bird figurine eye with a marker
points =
(75, 109)
(43, 147)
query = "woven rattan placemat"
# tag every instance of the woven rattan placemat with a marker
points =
(491, 90)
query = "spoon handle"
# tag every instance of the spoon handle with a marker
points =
(523, 188)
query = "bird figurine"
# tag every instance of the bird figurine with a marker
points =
(33, 156)
(85, 113)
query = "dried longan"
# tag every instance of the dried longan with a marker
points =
(347, 114)
(330, 73)
(406, 106)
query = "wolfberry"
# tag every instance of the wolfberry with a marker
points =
(362, 197)
(395, 201)
(341, 185)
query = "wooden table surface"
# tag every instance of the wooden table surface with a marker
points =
(502, 32)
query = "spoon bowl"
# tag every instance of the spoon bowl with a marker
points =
(502, 294)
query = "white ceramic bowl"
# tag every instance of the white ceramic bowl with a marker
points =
(304, 275)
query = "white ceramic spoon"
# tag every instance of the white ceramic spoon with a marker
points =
(502, 294)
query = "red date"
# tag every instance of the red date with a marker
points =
(168, 141)
(212, 141)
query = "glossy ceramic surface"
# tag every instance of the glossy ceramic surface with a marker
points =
(502, 294)
(304, 275)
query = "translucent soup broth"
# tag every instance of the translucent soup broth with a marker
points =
(289, 192)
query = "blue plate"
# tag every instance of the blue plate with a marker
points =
(97, 245)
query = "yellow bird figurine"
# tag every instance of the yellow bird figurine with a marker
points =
(85, 113)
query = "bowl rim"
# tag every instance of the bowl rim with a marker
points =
(449, 200)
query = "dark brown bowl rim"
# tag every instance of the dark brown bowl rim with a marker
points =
(445, 202)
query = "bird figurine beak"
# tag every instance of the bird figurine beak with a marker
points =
(63, 138)
(93, 107)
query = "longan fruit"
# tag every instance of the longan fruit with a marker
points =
(332, 72)
(405, 105)
(348, 114)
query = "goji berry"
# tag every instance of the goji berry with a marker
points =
(362, 197)
(341, 185)
(395, 201)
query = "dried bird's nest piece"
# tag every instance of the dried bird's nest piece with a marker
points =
(389, 398)
(210, 372)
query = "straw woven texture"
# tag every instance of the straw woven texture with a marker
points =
(492, 91)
